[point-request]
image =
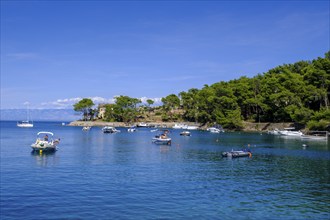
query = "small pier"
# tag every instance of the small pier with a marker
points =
(316, 135)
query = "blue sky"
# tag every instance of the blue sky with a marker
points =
(55, 52)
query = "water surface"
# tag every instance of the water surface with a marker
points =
(124, 176)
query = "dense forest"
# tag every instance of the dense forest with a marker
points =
(296, 92)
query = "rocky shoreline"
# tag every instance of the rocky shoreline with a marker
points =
(248, 126)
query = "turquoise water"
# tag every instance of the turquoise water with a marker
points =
(124, 176)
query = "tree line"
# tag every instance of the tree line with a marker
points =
(296, 92)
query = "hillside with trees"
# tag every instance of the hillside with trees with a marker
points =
(296, 93)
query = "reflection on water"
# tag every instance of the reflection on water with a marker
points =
(45, 159)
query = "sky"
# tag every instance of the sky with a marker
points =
(54, 53)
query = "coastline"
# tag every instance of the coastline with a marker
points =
(248, 126)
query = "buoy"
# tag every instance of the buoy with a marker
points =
(40, 151)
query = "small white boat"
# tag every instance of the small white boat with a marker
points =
(142, 125)
(162, 138)
(192, 127)
(25, 124)
(45, 142)
(109, 129)
(274, 132)
(237, 153)
(180, 126)
(185, 133)
(214, 130)
(291, 132)
(131, 129)
(86, 128)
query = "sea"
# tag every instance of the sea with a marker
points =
(124, 175)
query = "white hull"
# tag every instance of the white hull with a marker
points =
(235, 154)
(291, 133)
(25, 125)
(86, 128)
(108, 129)
(185, 133)
(157, 140)
(180, 126)
(142, 125)
(192, 128)
(274, 132)
(214, 130)
(44, 146)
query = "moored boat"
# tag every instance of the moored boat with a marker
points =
(162, 138)
(45, 142)
(25, 124)
(180, 126)
(290, 132)
(131, 129)
(274, 132)
(142, 125)
(185, 133)
(237, 153)
(214, 130)
(109, 129)
(192, 127)
(86, 128)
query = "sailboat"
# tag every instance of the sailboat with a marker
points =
(27, 123)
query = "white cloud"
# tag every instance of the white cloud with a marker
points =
(68, 103)
(60, 103)
(157, 101)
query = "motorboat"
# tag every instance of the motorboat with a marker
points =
(237, 153)
(274, 132)
(25, 124)
(290, 132)
(192, 127)
(180, 126)
(185, 133)
(162, 138)
(214, 130)
(142, 125)
(109, 129)
(45, 142)
(131, 129)
(86, 128)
